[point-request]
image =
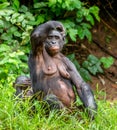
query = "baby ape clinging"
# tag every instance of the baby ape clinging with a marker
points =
(52, 74)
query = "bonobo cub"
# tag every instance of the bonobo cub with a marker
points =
(23, 87)
(52, 74)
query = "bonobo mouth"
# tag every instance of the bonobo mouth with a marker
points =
(54, 48)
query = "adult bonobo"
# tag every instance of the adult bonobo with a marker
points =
(52, 74)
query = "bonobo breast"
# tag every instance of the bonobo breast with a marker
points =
(59, 86)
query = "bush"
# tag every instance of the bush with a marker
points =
(15, 28)
(74, 14)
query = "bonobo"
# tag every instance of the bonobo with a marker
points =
(23, 87)
(52, 74)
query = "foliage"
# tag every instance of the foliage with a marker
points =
(74, 14)
(11, 63)
(15, 26)
(92, 65)
(18, 115)
(107, 62)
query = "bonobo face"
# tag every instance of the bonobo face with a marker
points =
(54, 42)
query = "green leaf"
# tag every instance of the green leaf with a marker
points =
(93, 69)
(85, 11)
(85, 25)
(4, 61)
(92, 59)
(79, 15)
(77, 4)
(7, 18)
(4, 5)
(90, 19)
(107, 61)
(40, 19)
(72, 34)
(7, 12)
(80, 32)
(88, 34)
(20, 18)
(1, 23)
(1, 30)
(52, 2)
(6, 36)
(24, 23)
(95, 11)
(68, 24)
(85, 74)
(29, 16)
(13, 61)
(85, 64)
(15, 15)
(4, 47)
(76, 64)
(100, 70)
(13, 29)
(16, 4)
(17, 34)
(73, 59)
(93, 65)
(2, 13)
(40, 5)
(71, 56)
(23, 9)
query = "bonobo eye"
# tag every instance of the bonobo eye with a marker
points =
(57, 37)
(50, 37)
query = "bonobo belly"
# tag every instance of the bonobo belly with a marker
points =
(62, 88)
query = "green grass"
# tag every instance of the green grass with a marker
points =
(18, 115)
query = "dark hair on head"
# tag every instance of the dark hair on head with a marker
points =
(40, 33)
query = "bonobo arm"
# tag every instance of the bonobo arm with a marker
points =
(83, 89)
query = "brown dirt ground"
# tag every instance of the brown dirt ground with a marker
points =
(104, 44)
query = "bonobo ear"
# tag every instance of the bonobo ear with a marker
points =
(64, 38)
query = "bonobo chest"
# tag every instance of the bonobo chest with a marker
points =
(52, 67)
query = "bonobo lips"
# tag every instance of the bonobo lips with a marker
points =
(54, 48)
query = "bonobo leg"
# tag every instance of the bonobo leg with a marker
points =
(53, 102)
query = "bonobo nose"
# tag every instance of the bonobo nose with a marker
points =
(53, 42)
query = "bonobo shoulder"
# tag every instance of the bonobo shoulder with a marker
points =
(68, 63)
